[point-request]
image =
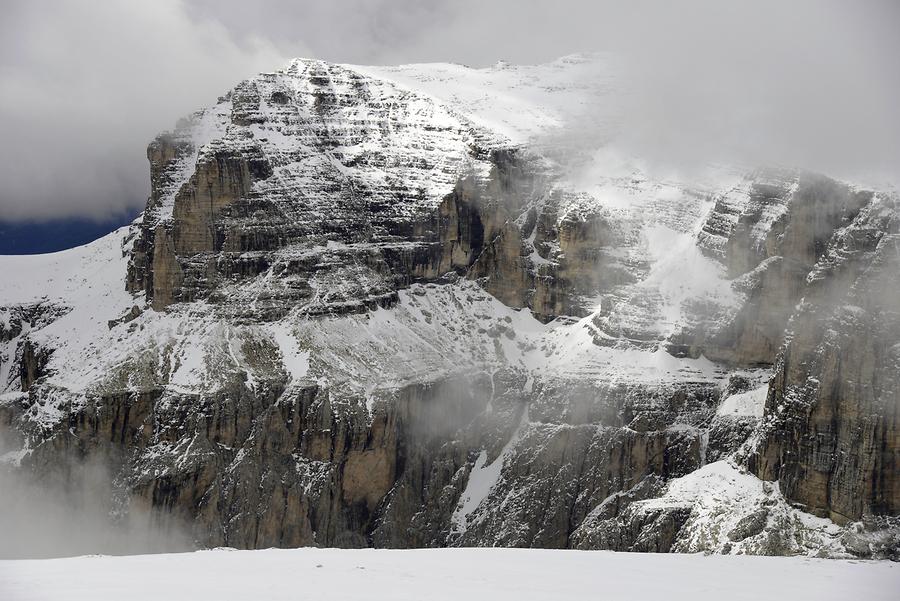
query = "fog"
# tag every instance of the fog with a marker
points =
(77, 509)
(85, 85)
(799, 84)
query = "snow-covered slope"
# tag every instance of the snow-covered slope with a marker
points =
(523, 103)
(63, 301)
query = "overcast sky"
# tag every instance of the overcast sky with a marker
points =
(84, 86)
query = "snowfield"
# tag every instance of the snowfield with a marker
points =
(435, 574)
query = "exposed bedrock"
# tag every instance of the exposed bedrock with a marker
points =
(299, 466)
(831, 437)
(252, 387)
(769, 242)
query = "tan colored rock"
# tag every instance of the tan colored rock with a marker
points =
(832, 436)
(167, 272)
(368, 476)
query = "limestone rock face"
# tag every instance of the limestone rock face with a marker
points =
(769, 236)
(292, 163)
(379, 306)
(832, 435)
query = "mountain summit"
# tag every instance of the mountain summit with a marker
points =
(427, 305)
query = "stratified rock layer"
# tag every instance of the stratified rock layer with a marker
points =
(359, 313)
(832, 436)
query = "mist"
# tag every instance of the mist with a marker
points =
(78, 509)
(799, 84)
(86, 85)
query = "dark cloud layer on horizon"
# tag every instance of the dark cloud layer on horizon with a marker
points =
(85, 85)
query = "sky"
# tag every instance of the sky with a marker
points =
(85, 85)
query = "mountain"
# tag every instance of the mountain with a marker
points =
(412, 307)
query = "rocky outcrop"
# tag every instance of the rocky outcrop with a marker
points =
(300, 466)
(282, 163)
(32, 363)
(22, 359)
(245, 203)
(831, 439)
(769, 237)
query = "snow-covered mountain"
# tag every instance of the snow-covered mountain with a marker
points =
(410, 306)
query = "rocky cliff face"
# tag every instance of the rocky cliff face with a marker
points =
(369, 307)
(832, 437)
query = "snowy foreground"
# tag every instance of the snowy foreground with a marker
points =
(496, 574)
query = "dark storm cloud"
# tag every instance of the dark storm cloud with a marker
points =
(85, 85)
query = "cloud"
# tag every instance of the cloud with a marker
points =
(76, 507)
(85, 85)
(806, 84)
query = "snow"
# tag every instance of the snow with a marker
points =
(721, 494)
(483, 478)
(748, 404)
(444, 574)
(295, 359)
(435, 331)
(717, 479)
(535, 258)
(681, 272)
(410, 128)
(189, 363)
(82, 274)
(571, 350)
(87, 283)
(519, 103)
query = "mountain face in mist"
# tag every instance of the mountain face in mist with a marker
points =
(390, 306)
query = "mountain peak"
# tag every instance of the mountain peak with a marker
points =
(386, 306)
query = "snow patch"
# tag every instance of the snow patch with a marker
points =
(483, 478)
(294, 359)
(745, 404)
